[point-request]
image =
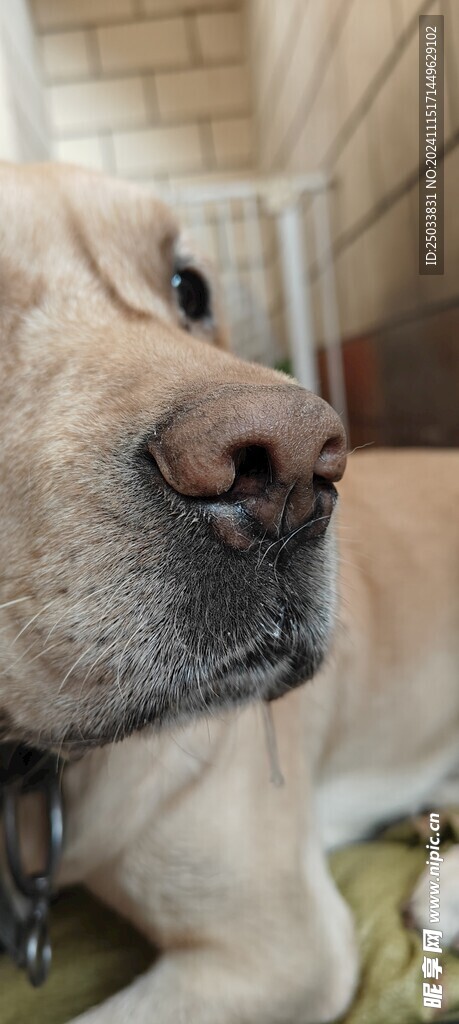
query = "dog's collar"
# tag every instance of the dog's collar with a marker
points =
(25, 899)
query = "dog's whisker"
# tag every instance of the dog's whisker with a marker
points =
(124, 649)
(72, 667)
(16, 600)
(295, 533)
(110, 587)
(31, 621)
(101, 655)
(358, 447)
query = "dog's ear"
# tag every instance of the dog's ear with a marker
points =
(134, 241)
(128, 235)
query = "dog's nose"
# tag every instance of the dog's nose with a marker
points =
(273, 451)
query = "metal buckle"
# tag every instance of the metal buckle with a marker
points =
(26, 932)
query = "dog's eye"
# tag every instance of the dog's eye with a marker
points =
(192, 294)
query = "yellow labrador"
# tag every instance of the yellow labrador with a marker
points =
(168, 565)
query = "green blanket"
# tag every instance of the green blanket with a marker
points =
(96, 953)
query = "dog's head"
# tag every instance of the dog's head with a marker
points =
(163, 543)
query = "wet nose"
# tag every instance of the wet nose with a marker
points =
(270, 452)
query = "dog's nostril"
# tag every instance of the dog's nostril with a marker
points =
(324, 500)
(331, 460)
(252, 470)
(260, 457)
(323, 487)
(252, 461)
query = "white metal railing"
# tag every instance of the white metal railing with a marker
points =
(255, 231)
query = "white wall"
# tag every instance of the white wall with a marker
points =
(336, 88)
(23, 125)
(156, 90)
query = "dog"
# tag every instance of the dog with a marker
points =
(172, 569)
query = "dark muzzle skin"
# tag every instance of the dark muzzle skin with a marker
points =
(261, 459)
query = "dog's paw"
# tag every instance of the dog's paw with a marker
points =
(444, 888)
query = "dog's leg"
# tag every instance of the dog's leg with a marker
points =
(284, 954)
(198, 987)
(208, 987)
(231, 883)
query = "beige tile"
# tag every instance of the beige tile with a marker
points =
(353, 276)
(288, 114)
(368, 305)
(158, 151)
(159, 7)
(148, 45)
(409, 10)
(262, 56)
(283, 28)
(333, 12)
(207, 178)
(281, 101)
(437, 289)
(393, 261)
(400, 15)
(56, 13)
(367, 40)
(356, 192)
(450, 9)
(65, 55)
(306, 150)
(89, 106)
(221, 36)
(395, 115)
(451, 174)
(376, 274)
(203, 92)
(328, 109)
(193, 5)
(85, 152)
(164, 6)
(303, 102)
(232, 142)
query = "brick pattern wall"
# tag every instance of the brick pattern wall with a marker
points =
(23, 124)
(153, 90)
(158, 91)
(336, 87)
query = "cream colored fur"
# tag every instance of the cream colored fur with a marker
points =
(183, 831)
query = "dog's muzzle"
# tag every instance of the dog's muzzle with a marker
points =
(261, 460)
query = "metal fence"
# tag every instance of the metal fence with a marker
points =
(254, 230)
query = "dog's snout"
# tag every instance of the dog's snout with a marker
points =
(274, 451)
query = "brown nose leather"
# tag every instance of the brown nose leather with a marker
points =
(267, 448)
